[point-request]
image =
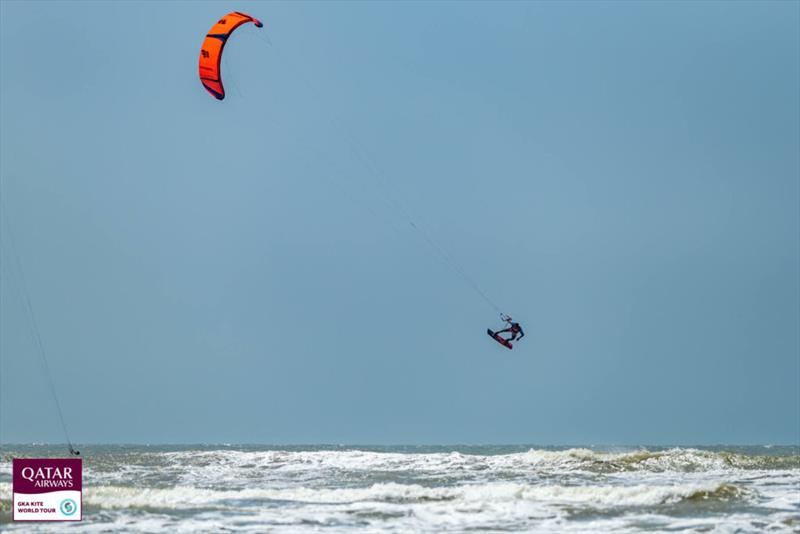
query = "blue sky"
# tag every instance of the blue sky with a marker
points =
(620, 177)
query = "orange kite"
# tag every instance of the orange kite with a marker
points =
(211, 51)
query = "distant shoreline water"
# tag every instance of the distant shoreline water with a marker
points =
(427, 488)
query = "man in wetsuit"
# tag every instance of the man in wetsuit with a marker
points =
(514, 328)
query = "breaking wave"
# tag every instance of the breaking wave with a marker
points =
(670, 460)
(186, 497)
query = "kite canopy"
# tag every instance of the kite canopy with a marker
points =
(211, 51)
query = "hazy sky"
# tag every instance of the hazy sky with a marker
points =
(620, 177)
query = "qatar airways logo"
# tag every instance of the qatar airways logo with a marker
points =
(49, 477)
(47, 489)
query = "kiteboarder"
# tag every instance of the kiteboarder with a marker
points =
(513, 327)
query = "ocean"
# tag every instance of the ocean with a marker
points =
(416, 489)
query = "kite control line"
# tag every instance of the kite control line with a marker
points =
(378, 176)
(35, 330)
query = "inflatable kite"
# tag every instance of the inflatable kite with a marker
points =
(211, 51)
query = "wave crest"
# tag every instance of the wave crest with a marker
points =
(392, 493)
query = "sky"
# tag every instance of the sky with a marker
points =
(622, 178)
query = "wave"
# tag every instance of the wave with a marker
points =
(535, 460)
(575, 459)
(601, 496)
(188, 497)
(676, 459)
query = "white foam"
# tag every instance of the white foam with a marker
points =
(600, 496)
(343, 491)
(545, 461)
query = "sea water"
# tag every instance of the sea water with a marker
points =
(414, 489)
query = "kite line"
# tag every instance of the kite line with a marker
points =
(35, 328)
(379, 178)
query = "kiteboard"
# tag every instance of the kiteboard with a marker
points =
(499, 339)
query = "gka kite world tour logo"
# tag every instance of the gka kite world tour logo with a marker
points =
(47, 489)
